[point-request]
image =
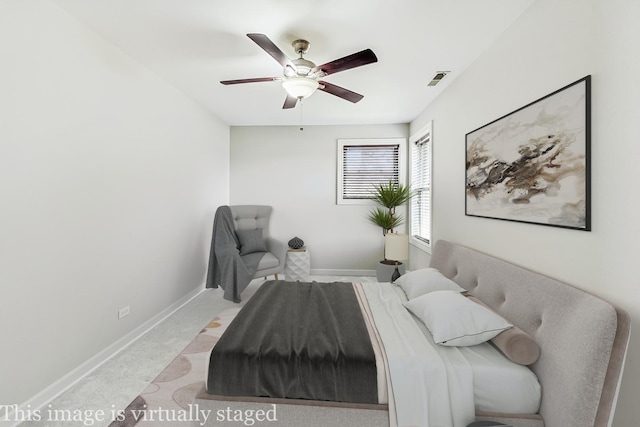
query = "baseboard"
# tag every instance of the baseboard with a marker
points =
(8, 418)
(341, 272)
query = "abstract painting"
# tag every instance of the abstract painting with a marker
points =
(532, 165)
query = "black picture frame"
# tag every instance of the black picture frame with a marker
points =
(533, 165)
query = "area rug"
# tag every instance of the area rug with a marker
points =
(168, 400)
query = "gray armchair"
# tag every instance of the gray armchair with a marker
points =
(252, 217)
(242, 250)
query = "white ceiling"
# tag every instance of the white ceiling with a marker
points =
(193, 44)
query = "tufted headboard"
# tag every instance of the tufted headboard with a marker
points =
(582, 338)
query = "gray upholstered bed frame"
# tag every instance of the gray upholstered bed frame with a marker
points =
(583, 341)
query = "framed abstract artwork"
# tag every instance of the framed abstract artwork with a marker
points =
(533, 164)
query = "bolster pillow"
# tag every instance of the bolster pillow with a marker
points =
(514, 343)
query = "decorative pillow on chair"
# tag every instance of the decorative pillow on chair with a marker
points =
(420, 282)
(454, 320)
(251, 241)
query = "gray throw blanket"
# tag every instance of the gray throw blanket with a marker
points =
(227, 268)
(297, 340)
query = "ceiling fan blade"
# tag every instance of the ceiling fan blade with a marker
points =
(265, 43)
(290, 102)
(351, 61)
(340, 92)
(259, 79)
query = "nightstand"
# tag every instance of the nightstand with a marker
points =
(297, 265)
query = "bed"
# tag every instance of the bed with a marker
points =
(582, 344)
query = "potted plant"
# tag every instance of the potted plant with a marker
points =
(389, 195)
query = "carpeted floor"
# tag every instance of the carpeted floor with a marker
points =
(114, 384)
(168, 399)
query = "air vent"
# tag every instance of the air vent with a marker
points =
(436, 79)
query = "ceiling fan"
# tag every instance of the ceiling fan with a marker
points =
(301, 77)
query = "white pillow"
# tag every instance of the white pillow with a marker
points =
(454, 320)
(420, 282)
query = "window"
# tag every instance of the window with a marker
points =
(365, 163)
(420, 208)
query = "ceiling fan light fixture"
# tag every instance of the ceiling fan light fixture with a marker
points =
(300, 87)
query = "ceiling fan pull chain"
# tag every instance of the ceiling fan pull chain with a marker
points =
(301, 122)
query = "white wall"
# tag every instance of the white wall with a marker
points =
(553, 44)
(109, 178)
(295, 172)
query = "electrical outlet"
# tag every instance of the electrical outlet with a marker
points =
(124, 311)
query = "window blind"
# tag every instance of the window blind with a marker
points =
(420, 213)
(366, 166)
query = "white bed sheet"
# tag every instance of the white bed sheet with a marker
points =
(499, 385)
(431, 385)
